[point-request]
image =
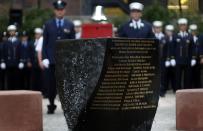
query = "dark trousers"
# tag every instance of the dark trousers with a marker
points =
(2, 79)
(13, 81)
(50, 83)
(36, 79)
(25, 78)
(167, 79)
(183, 77)
(196, 76)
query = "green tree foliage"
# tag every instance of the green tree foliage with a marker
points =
(118, 21)
(35, 18)
(158, 12)
(4, 18)
(4, 23)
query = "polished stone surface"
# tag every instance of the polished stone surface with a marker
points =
(189, 109)
(78, 70)
(79, 65)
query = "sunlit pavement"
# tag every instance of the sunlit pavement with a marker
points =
(165, 119)
(55, 122)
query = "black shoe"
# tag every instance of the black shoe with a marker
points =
(51, 109)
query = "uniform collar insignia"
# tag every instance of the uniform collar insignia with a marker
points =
(66, 30)
(181, 33)
(136, 24)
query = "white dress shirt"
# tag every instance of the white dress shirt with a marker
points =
(38, 44)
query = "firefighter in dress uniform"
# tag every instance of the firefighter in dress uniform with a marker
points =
(37, 76)
(57, 28)
(26, 60)
(12, 62)
(167, 58)
(195, 72)
(136, 27)
(184, 55)
(171, 69)
(163, 55)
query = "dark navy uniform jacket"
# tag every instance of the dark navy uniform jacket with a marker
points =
(200, 40)
(144, 32)
(171, 47)
(53, 33)
(2, 54)
(196, 49)
(184, 49)
(26, 52)
(3, 51)
(34, 55)
(12, 53)
(166, 48)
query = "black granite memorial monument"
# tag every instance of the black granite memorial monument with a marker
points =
(108, 84)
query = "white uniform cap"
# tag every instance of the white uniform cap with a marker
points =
(12, 28)
(136, 6)
(182, 21)
(38, 31)
(157, 24)
(193, 27)
(77, 23)
(169, 28)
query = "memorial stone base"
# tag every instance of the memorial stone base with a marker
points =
(20, 111)
(189, 109)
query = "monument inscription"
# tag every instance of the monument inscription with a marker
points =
(123, 95)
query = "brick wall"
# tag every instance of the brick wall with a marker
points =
(73, 6)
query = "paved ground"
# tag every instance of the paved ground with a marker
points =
(54, 122)
(164, 119)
